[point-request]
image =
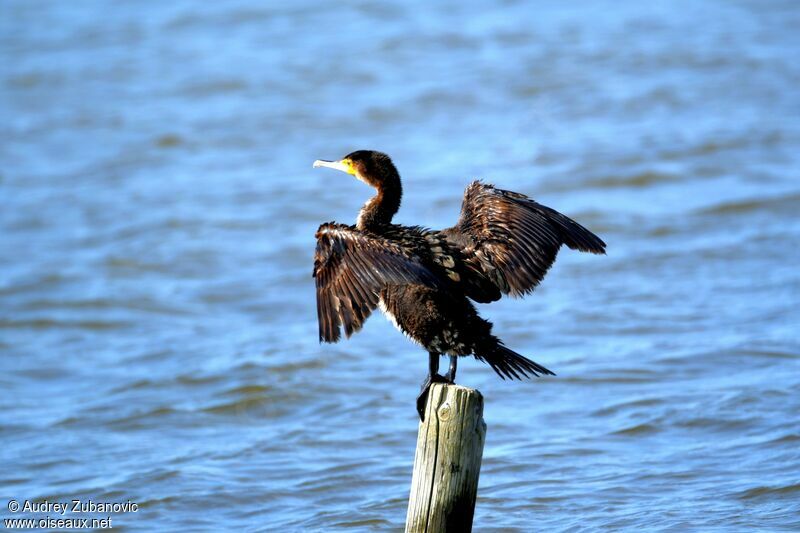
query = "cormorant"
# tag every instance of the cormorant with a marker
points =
(423, 280)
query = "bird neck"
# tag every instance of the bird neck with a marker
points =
(379, 210)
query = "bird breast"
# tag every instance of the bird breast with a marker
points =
(390, 316)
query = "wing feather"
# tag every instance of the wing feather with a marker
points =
(511, 240)
(351, 268)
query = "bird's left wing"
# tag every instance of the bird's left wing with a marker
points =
(351, 268)
(511, 241)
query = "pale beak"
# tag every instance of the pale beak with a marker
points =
(336, 165)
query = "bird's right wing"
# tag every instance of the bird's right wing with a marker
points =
(512, 241)
(351, 268)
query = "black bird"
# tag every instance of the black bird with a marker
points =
(423, 280)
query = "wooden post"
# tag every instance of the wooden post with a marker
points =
(447, 462)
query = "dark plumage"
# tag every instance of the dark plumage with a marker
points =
(423, 280)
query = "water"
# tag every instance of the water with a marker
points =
(157, 317)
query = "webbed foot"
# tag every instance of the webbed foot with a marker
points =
(422, 399)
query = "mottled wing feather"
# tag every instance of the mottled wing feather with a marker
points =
(512, 240)
(351, 268)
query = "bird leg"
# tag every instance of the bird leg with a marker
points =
(433, 377)
(450, 377)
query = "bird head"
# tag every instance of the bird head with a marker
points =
(373, 168)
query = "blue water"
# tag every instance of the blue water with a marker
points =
(158, 335)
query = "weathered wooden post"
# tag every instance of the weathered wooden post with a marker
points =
(447, 462)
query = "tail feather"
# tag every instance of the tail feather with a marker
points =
(509, 364)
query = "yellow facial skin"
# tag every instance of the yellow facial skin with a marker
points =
(351, 169)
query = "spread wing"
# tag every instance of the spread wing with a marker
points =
(511, 241)
(351, 268)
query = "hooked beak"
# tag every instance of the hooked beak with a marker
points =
(336, 165)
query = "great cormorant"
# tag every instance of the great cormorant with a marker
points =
(423, 280)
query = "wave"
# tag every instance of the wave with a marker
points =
(787, 203)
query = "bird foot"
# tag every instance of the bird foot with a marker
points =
(422, 399)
